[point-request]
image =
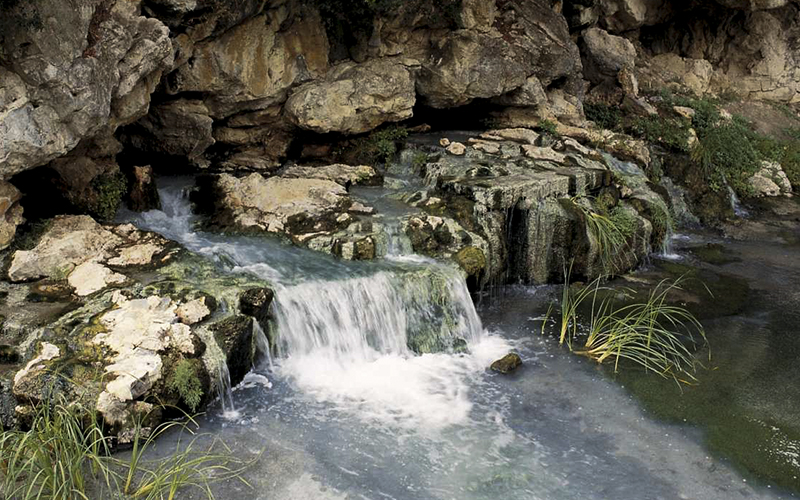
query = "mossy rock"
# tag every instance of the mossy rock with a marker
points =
(234, 335)
(507, 363)
(471, 260)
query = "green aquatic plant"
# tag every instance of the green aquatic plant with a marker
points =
(607, 232)
(654, 334)
(549, 127)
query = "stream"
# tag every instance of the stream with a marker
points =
(347, 411)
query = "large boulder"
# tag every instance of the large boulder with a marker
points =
(10, 213)
(72, 69)
(606, 55)
(354, 98)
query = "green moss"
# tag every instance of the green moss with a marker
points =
(419, 160)
(625, 222)
(185, 381)
(109, 190)
(471, 260)
(549, 127)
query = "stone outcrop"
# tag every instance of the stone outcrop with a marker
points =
(316, 212)
(354, 98)
(136, 309)
(71, 70)
(10, 213)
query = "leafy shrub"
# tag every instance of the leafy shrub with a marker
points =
(728, 155)
(549, 127)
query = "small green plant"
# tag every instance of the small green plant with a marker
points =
(185, 382)
(670, 132)
(549, 127)
(419, 160)
(728, 156)
(380, 146)
(608, 236)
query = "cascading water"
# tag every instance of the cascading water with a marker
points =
(350, 332)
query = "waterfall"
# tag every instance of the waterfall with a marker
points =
(373, 338)
(226, 392)
(263, 351)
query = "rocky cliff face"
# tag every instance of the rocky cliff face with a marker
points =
(229, 85)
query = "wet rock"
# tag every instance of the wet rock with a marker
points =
(354, 98)
(29, 386)
(507, 363)
(256, 302)
(234, 335)
(521, 135)
(456, 148)
(8, 403)
(315, 213)
(142, 190)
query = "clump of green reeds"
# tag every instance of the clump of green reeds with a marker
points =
(654, 334)
(66, 455)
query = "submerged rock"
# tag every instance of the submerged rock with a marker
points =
(507, 363)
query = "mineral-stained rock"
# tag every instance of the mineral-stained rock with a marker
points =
(10, 213)
(606, 55)
(142, 190)
(346, 175)
(354, 98)
(69, 242)
(507, 363)
(254, 64)
(93, 68)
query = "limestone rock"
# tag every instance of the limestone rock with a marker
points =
(548, 154)
(181, 128)
(507, 363)
(193, 311)
(771, 180)
(91, 69)
(253, 65)
(90, 277)
(625, 15)
(346, 175)
(521, 135)
(456, 148)
(354, 98)
(10, 213)
(69, 242)
(606, 55)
